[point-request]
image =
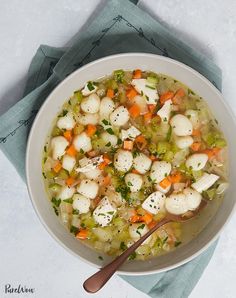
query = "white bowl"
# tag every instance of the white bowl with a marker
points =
(43, 123)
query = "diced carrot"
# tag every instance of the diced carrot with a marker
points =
(141, 142)
(165, 183)
(195, 146)
(196, 133)
(82, 234)
(106, 161)
(70, 181)
(166, 96)
(153, 157)
(151, 108)
(96, 201)
(110, 93)
(106, 181)
(71, 150)
(175, 177)
(92, 153)
(134, 111)
(137, 74)
(147, 218)
(211, 152)
(106, 158)
(135, 171)
(57, 167)
(135, 218)
(68, 135)
(91, 129)
(147, 117)
(131, 93)
(152, 224)
(128, 145)
(179, 94)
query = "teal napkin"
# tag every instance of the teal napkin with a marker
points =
(120, 27)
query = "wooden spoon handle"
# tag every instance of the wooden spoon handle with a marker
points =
(100, 278)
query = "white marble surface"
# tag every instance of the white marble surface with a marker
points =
(28, 255)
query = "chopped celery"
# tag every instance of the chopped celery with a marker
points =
(155, 123)
(79, 95)
(220, 143)
(76, 108)
(168, 156)
(109, 170)
(63, 174)
(119, 75)
(163, 147)
(55, 187)
(98, 144)
(152, 148)
(210, 193)
(50, 174)
(197, 174)
(112, 84)
(56, 131)
(78, 129)
(152, 80)
(143, 250)
(89, 222)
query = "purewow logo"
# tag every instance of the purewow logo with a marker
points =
(19, 289)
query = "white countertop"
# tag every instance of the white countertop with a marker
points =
(28, 255)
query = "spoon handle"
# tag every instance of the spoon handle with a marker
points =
(100, 278)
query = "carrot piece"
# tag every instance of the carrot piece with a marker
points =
(147, 117)
(91, 129)
(165, 183)
(179, 94)
(195, 146)
(68, 135)
(211, 152)
(152, 224)
(176, 177)
(128, 145)
(151, 108)
(57, 167)
(135, 171)
(131, 93)
(147, 218)
(153, 157)
(106, 161)
(166, 96)
(135, 218)
(134, 111)
(137, 74)
(110, 93)
(141, 142)
(82, 234)
(106, 181)
(196, 133)
(71, 150)
(106, 158)
(92, 153)
(70, 181)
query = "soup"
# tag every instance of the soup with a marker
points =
(125, 151)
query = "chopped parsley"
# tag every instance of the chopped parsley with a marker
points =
(56, 202)
(56, 211)
(70, 201)
(90, 86)
(75, 212)
(105, 122)
(177, 243)
(81, 151)
(45, 148)
(110, 131)
(150, 87)
(44, 175)
(141, 226)
(119, 142)
(100, 258)
(132, 256)
(119, 75)
(123, 246)
(110, 212)
(129, 183)
(124, 191)
(108, 144)
(74, 230)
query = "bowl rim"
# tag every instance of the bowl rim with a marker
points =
(32, 132)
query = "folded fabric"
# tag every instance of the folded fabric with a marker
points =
(120, 27)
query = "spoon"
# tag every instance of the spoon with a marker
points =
(100, 278)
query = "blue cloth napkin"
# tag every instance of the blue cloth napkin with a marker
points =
(120, 27)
